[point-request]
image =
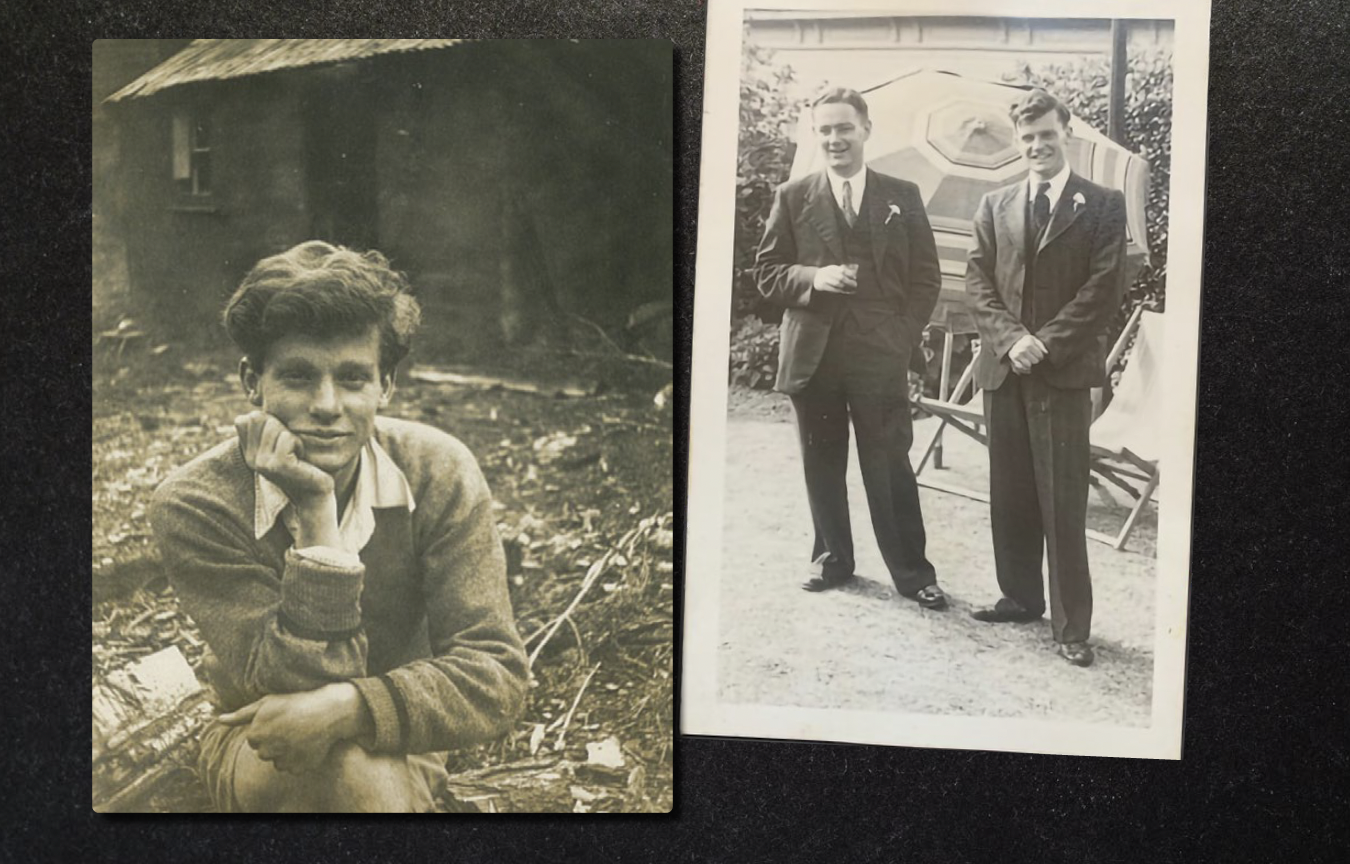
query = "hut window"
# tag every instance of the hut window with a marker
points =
(191, 154)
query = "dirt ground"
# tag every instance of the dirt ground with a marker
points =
(581, 482)
(864, 647)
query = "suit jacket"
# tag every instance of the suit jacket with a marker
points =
(1078, 276)
(802, 235)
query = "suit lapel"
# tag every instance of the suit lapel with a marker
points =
(1012, 212)
(820, 209)
(875, 209)
(1065, 212)
(1014, 215)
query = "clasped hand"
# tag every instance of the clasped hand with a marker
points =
(277, 454)
(296, 731)
(834, 279)
(1026, 352)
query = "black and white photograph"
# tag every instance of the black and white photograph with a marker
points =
(943, 393)
(383, 509)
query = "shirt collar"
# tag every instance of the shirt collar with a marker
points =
(1057, 184)
(857, 185)
(380, 483)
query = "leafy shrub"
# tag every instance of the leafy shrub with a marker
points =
(763, 161)
(754, 353)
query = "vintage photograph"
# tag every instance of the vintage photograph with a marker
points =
(383, 510)
(946, 327)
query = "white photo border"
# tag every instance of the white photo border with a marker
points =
(700, 712)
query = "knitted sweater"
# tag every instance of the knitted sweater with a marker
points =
(423, 628)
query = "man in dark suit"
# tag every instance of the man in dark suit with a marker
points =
(850, 254)
(1045, 276)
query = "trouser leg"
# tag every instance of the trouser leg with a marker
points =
(884, 433)
(1014, 506)
(1060, 420)
(822, 427)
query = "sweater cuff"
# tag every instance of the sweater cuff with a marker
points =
(319, 600)
(388, 710)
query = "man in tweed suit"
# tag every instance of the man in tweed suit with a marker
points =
(1045, 276)
(850, 255)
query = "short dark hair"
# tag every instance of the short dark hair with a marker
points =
(844, 95)
(323, 290)
(1035, 105)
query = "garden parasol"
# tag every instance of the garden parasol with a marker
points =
(952, 136)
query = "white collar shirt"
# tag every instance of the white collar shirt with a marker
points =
(380, 484)
(857, 186)
(1057, 184)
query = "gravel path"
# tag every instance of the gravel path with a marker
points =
(864, 647)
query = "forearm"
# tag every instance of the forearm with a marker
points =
(470, 695)
(999, 329)
(352, 720)
(786, 284)
(778, 276)
(472, 687)
(317, 519)
(271, 632)
(925, 271)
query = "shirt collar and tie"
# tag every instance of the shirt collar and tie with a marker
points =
(848, 193)
(1053, 188)
(379, 484)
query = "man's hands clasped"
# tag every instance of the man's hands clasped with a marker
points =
(296, 731)
(1025, 353)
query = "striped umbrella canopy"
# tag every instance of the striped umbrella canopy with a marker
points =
(952, 136)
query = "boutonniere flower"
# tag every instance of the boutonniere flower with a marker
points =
(894, 212)
(1078, 201)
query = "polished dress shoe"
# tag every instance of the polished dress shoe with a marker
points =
(817, 584)
(1077, 653)
(930, 597)
(1005, 611)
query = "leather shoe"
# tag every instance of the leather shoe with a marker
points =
(817, 584)
(931, 597)
(1077, 653)
(1005, 611)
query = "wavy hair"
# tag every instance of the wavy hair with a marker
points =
(323, 290)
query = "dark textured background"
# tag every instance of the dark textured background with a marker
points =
(1265, 737)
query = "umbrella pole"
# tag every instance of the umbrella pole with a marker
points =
(1115, 122)
(944, 392)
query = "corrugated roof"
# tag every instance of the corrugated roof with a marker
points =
(217, 59)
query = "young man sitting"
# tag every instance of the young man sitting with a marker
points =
(344, 568)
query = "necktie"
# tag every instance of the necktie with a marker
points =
(850, 215)
(1042, 206)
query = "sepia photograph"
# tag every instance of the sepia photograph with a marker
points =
(945, 341)
(383, 508)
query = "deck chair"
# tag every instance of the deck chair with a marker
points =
(1125, 437)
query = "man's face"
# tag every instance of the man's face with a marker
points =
(842, 132)
(326, 391)
(1042, 143)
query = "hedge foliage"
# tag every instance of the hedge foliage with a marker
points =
(763, 161)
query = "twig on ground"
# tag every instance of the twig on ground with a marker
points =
(583, 658)
(567, 720)
(592, 576)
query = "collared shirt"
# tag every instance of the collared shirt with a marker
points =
(379, 484)
(857, 185)
(1057, 184)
